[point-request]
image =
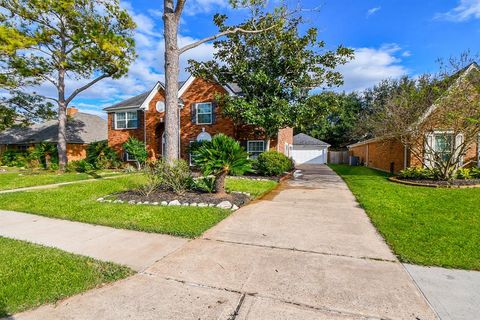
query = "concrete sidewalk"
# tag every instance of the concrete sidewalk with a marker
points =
(306, 252)
(455, 294)
(137, 250)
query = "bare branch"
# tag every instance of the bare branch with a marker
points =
(221, 34)
(179, 8)
(85, 87)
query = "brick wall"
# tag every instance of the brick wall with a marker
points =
(381, 154)
(76, 151)
(199, 91)
(116, 138)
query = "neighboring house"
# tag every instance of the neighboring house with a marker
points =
(82, 129)
(308, 150)
(389, 154)
(143, 117)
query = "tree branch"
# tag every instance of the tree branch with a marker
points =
(179, 8)
(85, 87)
(221, 34)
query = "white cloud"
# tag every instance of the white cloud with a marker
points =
(143, 73)
(372, 11)
(406, 53)
(370, 66)
(194, 7)
(464, 11)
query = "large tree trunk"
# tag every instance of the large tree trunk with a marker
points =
(62, 122)
(172, 129)
(220, 183)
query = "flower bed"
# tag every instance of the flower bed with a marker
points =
(231, 201)
(454, 183)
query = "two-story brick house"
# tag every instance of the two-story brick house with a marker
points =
(201, 118)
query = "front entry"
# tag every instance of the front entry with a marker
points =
(159, 140)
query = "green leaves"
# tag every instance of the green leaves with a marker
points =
(275, 68)
(221, 155)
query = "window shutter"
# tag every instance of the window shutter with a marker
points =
(458, 142)
(214, 112)
(243, 144)
(428, 150)
(194, 113)
(113, 120)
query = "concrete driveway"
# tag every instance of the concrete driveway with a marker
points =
(307, 251)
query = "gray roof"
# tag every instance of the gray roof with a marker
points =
(135, 102)
(81, 128)
(305, 139)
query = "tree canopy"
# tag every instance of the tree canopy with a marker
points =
(46, 42)
(275, 69)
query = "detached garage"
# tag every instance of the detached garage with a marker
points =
(308, 150)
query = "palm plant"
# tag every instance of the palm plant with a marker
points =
(221, 156)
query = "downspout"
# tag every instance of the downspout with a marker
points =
(367, 156)
(405, 155)
(145, 129)
(179, 131)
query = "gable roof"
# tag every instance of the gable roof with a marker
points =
(81, 128)
(456, 80)
(305, 139)
(142, 100)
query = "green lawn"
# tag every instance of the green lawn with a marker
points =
(31, 275)
(78, 202)
(427, 226)
(256, 188)
(21, 179)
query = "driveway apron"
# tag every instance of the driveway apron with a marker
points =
(306, 251)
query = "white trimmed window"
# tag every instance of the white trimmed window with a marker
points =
(255, 147)
(204, 113)
(443, 144)
(129, 157)
(126, 120)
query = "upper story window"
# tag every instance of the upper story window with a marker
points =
(255, 147)
(204, 113)
(126, 120)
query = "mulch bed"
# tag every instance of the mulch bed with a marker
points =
(238, 199)
(455, 183)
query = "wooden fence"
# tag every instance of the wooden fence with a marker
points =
(338, 157)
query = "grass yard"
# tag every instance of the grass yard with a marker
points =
(256, 188)
(31, 275)
(77, 202)
(14, 180)
(427, 226)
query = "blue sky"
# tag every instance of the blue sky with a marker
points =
(391, 38)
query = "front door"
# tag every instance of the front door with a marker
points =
(160, 139)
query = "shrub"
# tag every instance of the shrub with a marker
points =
(465, 173)
(205, 184)
(475, 172)
(80, 166)
(136, 148)
(47, 154)
(175, 176)
(420, 173)
(101, 156)
(12, 158)
(221, 156)
(154, 178)
(273, 163)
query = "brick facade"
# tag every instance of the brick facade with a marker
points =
(200, 90)
(386, 155)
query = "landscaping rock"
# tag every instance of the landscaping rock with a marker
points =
(174, 203)
(100, 199)
(211, 204)
(224, 205)
(193, 204)
(155, 203)
(234, 207)
(186, 204)
(203, 205)
(139, 202)
(146, 202)
(131, 202)
(164, 203)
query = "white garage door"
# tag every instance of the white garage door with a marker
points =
(309, 156)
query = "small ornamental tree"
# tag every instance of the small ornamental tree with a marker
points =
(436, 118)
(221, 156)
(275, 70)
(136, 149)
(51, 41)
